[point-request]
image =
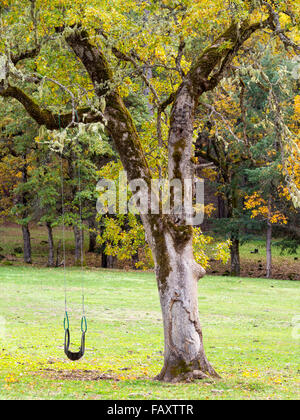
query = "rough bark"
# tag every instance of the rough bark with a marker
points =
(177, 276)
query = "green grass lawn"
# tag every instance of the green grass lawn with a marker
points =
(247, 325)
(260, 244)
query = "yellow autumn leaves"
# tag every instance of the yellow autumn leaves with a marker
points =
(260, 209)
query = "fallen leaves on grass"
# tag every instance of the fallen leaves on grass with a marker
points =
(76, 375)
(10, 379)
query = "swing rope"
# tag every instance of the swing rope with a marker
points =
(81, 237)
(71, 355)
(63, 229)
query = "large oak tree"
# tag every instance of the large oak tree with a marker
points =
(179, 50)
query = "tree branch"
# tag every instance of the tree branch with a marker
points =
(179, 57)
(220, 54)
(44, 116)
(120, 124)
(31, 53)
(278, 30)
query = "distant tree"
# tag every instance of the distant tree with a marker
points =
(239, 138)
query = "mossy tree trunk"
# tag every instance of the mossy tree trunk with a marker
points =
(177, 276)
(176, 270)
